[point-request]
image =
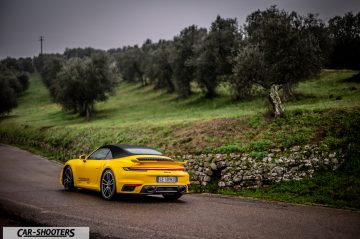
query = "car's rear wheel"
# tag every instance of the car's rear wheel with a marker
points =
(68, 180)
(108, 186)
(172, 196)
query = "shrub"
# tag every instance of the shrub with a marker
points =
(261, 145)
(224, 149)
(8, 99)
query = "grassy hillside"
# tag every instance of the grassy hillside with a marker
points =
(135, 106)
(144, 116)
(326, 112)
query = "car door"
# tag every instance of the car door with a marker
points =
(91, 168)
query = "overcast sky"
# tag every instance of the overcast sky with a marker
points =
(109, 24)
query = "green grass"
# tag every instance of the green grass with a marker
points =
(142, 115)
(334, 130)
(328, 188)
(133, 105)
(326, 112)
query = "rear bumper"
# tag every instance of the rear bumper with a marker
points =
(154, 189)
(150, 189)
(140, 182)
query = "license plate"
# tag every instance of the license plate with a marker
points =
(166, 179)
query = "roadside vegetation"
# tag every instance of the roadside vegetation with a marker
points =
(204, 124)
(220, 90)
(326, 113)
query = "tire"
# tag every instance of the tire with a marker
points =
(108, 185)
(172, 196)
(68, 179)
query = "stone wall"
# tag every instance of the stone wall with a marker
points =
(241, 171)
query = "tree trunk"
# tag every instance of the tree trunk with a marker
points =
(88, 111)
(75, 108)
(288, 91)
(170, 86)
(210, 92)
(186, 92)
(82, 109)
(142, 79)
(275, 101)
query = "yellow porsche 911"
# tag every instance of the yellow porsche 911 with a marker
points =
(126, 169)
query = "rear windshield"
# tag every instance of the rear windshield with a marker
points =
(143, 151)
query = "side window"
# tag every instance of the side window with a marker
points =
(100, 153)
(118, 153)
(109, 155)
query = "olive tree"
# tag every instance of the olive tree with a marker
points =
(345, 35)
(279, 51)
(51, 67)
(12, 85)
(129, 62)
(83, 82)
(184, 71)
(215, 54)
(8, 95)
(162, 66)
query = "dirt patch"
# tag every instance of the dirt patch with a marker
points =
(319, 136)
(212, 133)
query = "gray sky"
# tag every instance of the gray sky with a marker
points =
(108, 24)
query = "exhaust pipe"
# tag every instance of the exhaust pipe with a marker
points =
(167, 189)
(150, 189)
(182, 189)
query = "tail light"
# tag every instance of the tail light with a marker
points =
(152, 168)
(134, 169)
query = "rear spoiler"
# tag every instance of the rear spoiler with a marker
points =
(156, 160)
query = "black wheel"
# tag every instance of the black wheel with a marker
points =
(108, 186)
(172, 196)
(68, 180)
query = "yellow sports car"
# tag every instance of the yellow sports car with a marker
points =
(113, 169)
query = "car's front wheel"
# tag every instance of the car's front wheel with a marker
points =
(108, 186)
(68, 180)
(172, 196)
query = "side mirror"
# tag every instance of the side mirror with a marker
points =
(82, 156)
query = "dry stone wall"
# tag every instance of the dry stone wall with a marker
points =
(240, 171)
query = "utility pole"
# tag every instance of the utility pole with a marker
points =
(41, 44)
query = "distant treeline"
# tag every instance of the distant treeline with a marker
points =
(14, 80)
(274, 49)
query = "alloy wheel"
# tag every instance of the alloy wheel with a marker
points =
(68, 179)
(107, 185)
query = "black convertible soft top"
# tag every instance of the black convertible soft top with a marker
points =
(124, 150)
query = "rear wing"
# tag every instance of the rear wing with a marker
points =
(156, 160)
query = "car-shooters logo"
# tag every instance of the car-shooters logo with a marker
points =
(45, 232)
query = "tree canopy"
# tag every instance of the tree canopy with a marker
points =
(345, 34)
(82, 82)
(216, 53)
(13, 83)
(279, 51)
(185, 46)
(272, 51)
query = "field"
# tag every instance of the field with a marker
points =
(144, 116)
(134, 106)
(326, 111)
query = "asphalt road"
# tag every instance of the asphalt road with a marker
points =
(29, 187)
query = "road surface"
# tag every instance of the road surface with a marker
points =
(29, 187)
